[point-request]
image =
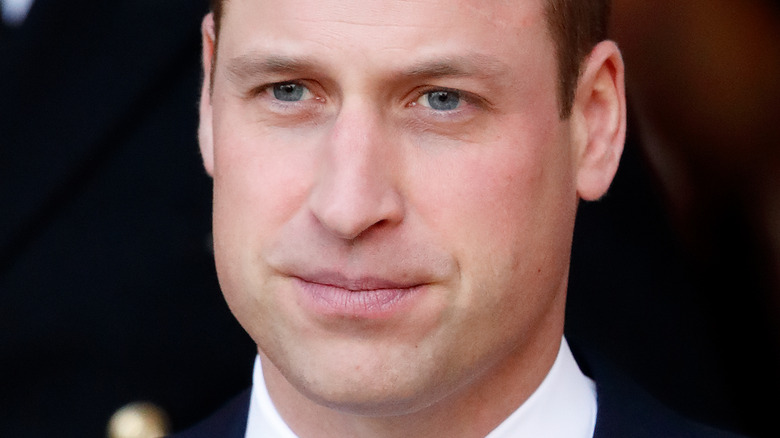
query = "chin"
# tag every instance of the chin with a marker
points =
(359, 390)
(372, 402)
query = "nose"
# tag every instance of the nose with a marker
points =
(357, 182)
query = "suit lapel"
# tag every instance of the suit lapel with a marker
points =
(79, 75)
(624, 409)
(228, 422)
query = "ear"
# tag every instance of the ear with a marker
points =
(206, 129)
(599, 117)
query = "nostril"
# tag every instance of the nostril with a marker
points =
(350, 212)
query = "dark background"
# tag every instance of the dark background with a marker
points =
(108, 294)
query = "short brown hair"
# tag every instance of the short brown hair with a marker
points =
(576, 27)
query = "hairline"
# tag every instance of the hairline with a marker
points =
(568, 73)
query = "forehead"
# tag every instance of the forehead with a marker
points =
(384, 31)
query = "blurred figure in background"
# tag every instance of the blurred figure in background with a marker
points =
(703, 80)
(108, 293)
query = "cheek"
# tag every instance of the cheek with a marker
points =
(505, 197)
(506, 211)
(260, 177)
(260, 182)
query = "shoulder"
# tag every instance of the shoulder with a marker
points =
(625, 410)
(228, 422)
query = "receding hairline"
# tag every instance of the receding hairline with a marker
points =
(573, 39)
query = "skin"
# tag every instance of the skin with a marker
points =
(439, 238)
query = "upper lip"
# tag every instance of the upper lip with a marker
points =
(355, 283)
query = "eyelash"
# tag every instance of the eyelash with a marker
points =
(469, 100)
(468, 103)
(266, 92)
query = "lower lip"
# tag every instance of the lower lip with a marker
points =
(334, 301)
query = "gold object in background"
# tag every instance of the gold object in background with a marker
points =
(139, 420)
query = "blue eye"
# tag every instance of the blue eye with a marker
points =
(441, 100)
(290, 92)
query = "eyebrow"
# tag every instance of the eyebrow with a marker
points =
(252, 65)
(457, 66)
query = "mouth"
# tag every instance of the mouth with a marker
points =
(334, 295)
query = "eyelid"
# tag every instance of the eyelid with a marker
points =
(307, 93)
(469, 101)
(267, 90)
(289, 113)
(467, 97)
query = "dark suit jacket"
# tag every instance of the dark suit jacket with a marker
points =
(624, 411)
(108, 293)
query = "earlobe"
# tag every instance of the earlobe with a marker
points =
(205, 129)
(599, 115)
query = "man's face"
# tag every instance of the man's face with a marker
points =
(394, 192)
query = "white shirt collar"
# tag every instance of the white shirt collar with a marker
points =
(563, 406)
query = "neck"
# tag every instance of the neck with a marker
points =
(471, 411)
